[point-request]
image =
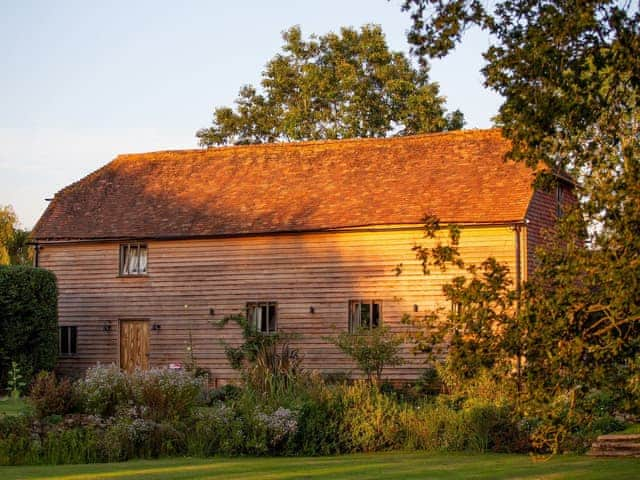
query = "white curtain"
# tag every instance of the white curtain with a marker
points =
(142, 251)
(125, 259)
(134, 259)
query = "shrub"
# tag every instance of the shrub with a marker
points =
(275, 370)
(280, 425)
(130, 437)
(51, 396)
(104, 390)
(318, 432)
(493, 428)
(372, 350)
(166, 394)
(216, 431)
(571, 425)
(224, 393)
(16, 443)
(28, 320)
(429, 382)
(431, 427)
(368, 418)
(67, 446)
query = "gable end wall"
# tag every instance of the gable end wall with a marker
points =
(541, 218)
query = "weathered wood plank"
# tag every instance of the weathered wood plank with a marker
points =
(323, 270)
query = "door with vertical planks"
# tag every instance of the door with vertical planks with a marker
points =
(134, 345)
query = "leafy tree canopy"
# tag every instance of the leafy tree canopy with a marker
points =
(570, 77)
(330, 87)
(14, 249)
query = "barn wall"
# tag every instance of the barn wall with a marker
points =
(542, 216)
(186, 278)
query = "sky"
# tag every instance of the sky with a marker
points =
(83, 81)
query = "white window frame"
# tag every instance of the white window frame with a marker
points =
(132, 261)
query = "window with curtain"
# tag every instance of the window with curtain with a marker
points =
(263, 316)
(364, 314)
(133, 259)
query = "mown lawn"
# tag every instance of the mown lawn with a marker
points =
(373, 466)
(9, 406)
(632, 429)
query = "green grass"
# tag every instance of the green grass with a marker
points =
(634, 429)
(10, 406)
(393, 465)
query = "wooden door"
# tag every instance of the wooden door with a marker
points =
(134, 344)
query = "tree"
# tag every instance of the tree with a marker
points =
(372, 349)
(7, 220)
(569, 74)
(333, 86)
(482, 331)
(585, 304)
(14, 247)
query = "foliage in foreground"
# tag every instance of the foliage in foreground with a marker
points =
(348, 418)
(112, 416)
(570, 78)
(554, 356)
(28, 321)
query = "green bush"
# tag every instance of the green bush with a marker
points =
(493, 428)
(372, 350)
(17, 445)
(162, 413)
(157, 394)
(28, 320)
(104, 390)
(129, 437)
(166, 394)
(224, 393)
(67, 446)
(368, 418)
(218, 430)
(319, 422)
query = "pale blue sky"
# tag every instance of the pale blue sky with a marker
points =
(82, 81)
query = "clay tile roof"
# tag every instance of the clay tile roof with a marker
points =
(458, 176)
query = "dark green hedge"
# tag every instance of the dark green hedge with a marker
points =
(28, 320)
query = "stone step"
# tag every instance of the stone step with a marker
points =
(613, 453)
(619, 437)
(616, 445)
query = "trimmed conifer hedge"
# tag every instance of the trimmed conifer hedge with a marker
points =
(28, 320)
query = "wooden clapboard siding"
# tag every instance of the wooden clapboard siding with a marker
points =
(323, 270)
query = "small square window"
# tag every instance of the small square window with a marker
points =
(68, 340)
(133, 259)
(364, 314)
(263, 316)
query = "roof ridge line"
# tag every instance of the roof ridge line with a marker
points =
(308, 143)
